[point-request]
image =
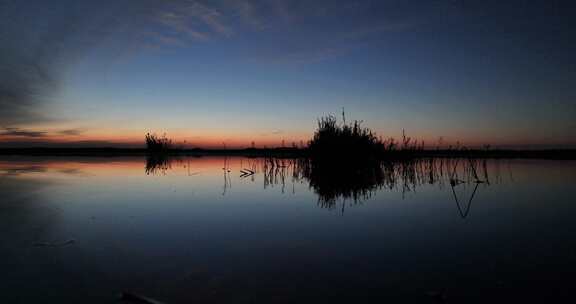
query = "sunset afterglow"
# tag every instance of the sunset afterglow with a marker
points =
(229, 73)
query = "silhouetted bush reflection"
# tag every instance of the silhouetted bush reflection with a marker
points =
(331, 182)
(354, 181)
(158, 163)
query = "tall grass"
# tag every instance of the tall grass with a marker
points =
(351, 141)
(158, 144)
(354, 143)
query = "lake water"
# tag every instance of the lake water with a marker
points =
(200, 230)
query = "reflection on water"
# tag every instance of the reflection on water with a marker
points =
(463, 211)
(265, 230)
(333, 183)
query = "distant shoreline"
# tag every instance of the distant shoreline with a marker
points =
(561, 154)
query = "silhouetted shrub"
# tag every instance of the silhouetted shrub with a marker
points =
(353, 145)
(157, 144)
(346, 141)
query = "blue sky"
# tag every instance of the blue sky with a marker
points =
(480, 72)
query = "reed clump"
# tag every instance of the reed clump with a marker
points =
(158, 144)
(345, 141)
(352, 144)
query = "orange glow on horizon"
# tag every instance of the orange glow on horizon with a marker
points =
(238, 139)
(208, 140)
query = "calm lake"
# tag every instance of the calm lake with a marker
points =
(250, 230)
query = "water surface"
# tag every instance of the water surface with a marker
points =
(200, 230)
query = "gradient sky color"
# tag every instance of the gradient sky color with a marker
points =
(81, 73)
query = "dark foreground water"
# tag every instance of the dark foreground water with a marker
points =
(198, 230)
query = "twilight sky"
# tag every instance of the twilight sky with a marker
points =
(92, 73)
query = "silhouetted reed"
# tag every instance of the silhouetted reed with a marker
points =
(353, 145)
(333, 141)
(157, 149)
(158, 144)
(347, 160)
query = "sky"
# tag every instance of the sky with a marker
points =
(232, 72)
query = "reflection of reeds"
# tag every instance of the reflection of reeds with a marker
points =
(332, 183)
(355, 183)
(358, 184)
(158, 164)
(158, 148)
(464, 212)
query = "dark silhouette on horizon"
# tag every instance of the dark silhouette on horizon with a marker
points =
(158, 144)
(351, 144)
(332, 142)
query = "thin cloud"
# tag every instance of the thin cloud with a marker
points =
(70, 132)
(273, 132)
(17, 132)
(211, 17)
(27, 133)
(249, 13)
(178, 23)
(16, 171)
(41, 39)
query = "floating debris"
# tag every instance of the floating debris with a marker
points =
(438, 296)
(137, 299)
(55, 244)
(246, 172)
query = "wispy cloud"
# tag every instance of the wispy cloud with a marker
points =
(41, 39)
(28, 133)
(211, 17)
(250, 13)
(17, 132)
(193, 21)
(70, 132)
(179, 24)
(309, 56)
(273, 132)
